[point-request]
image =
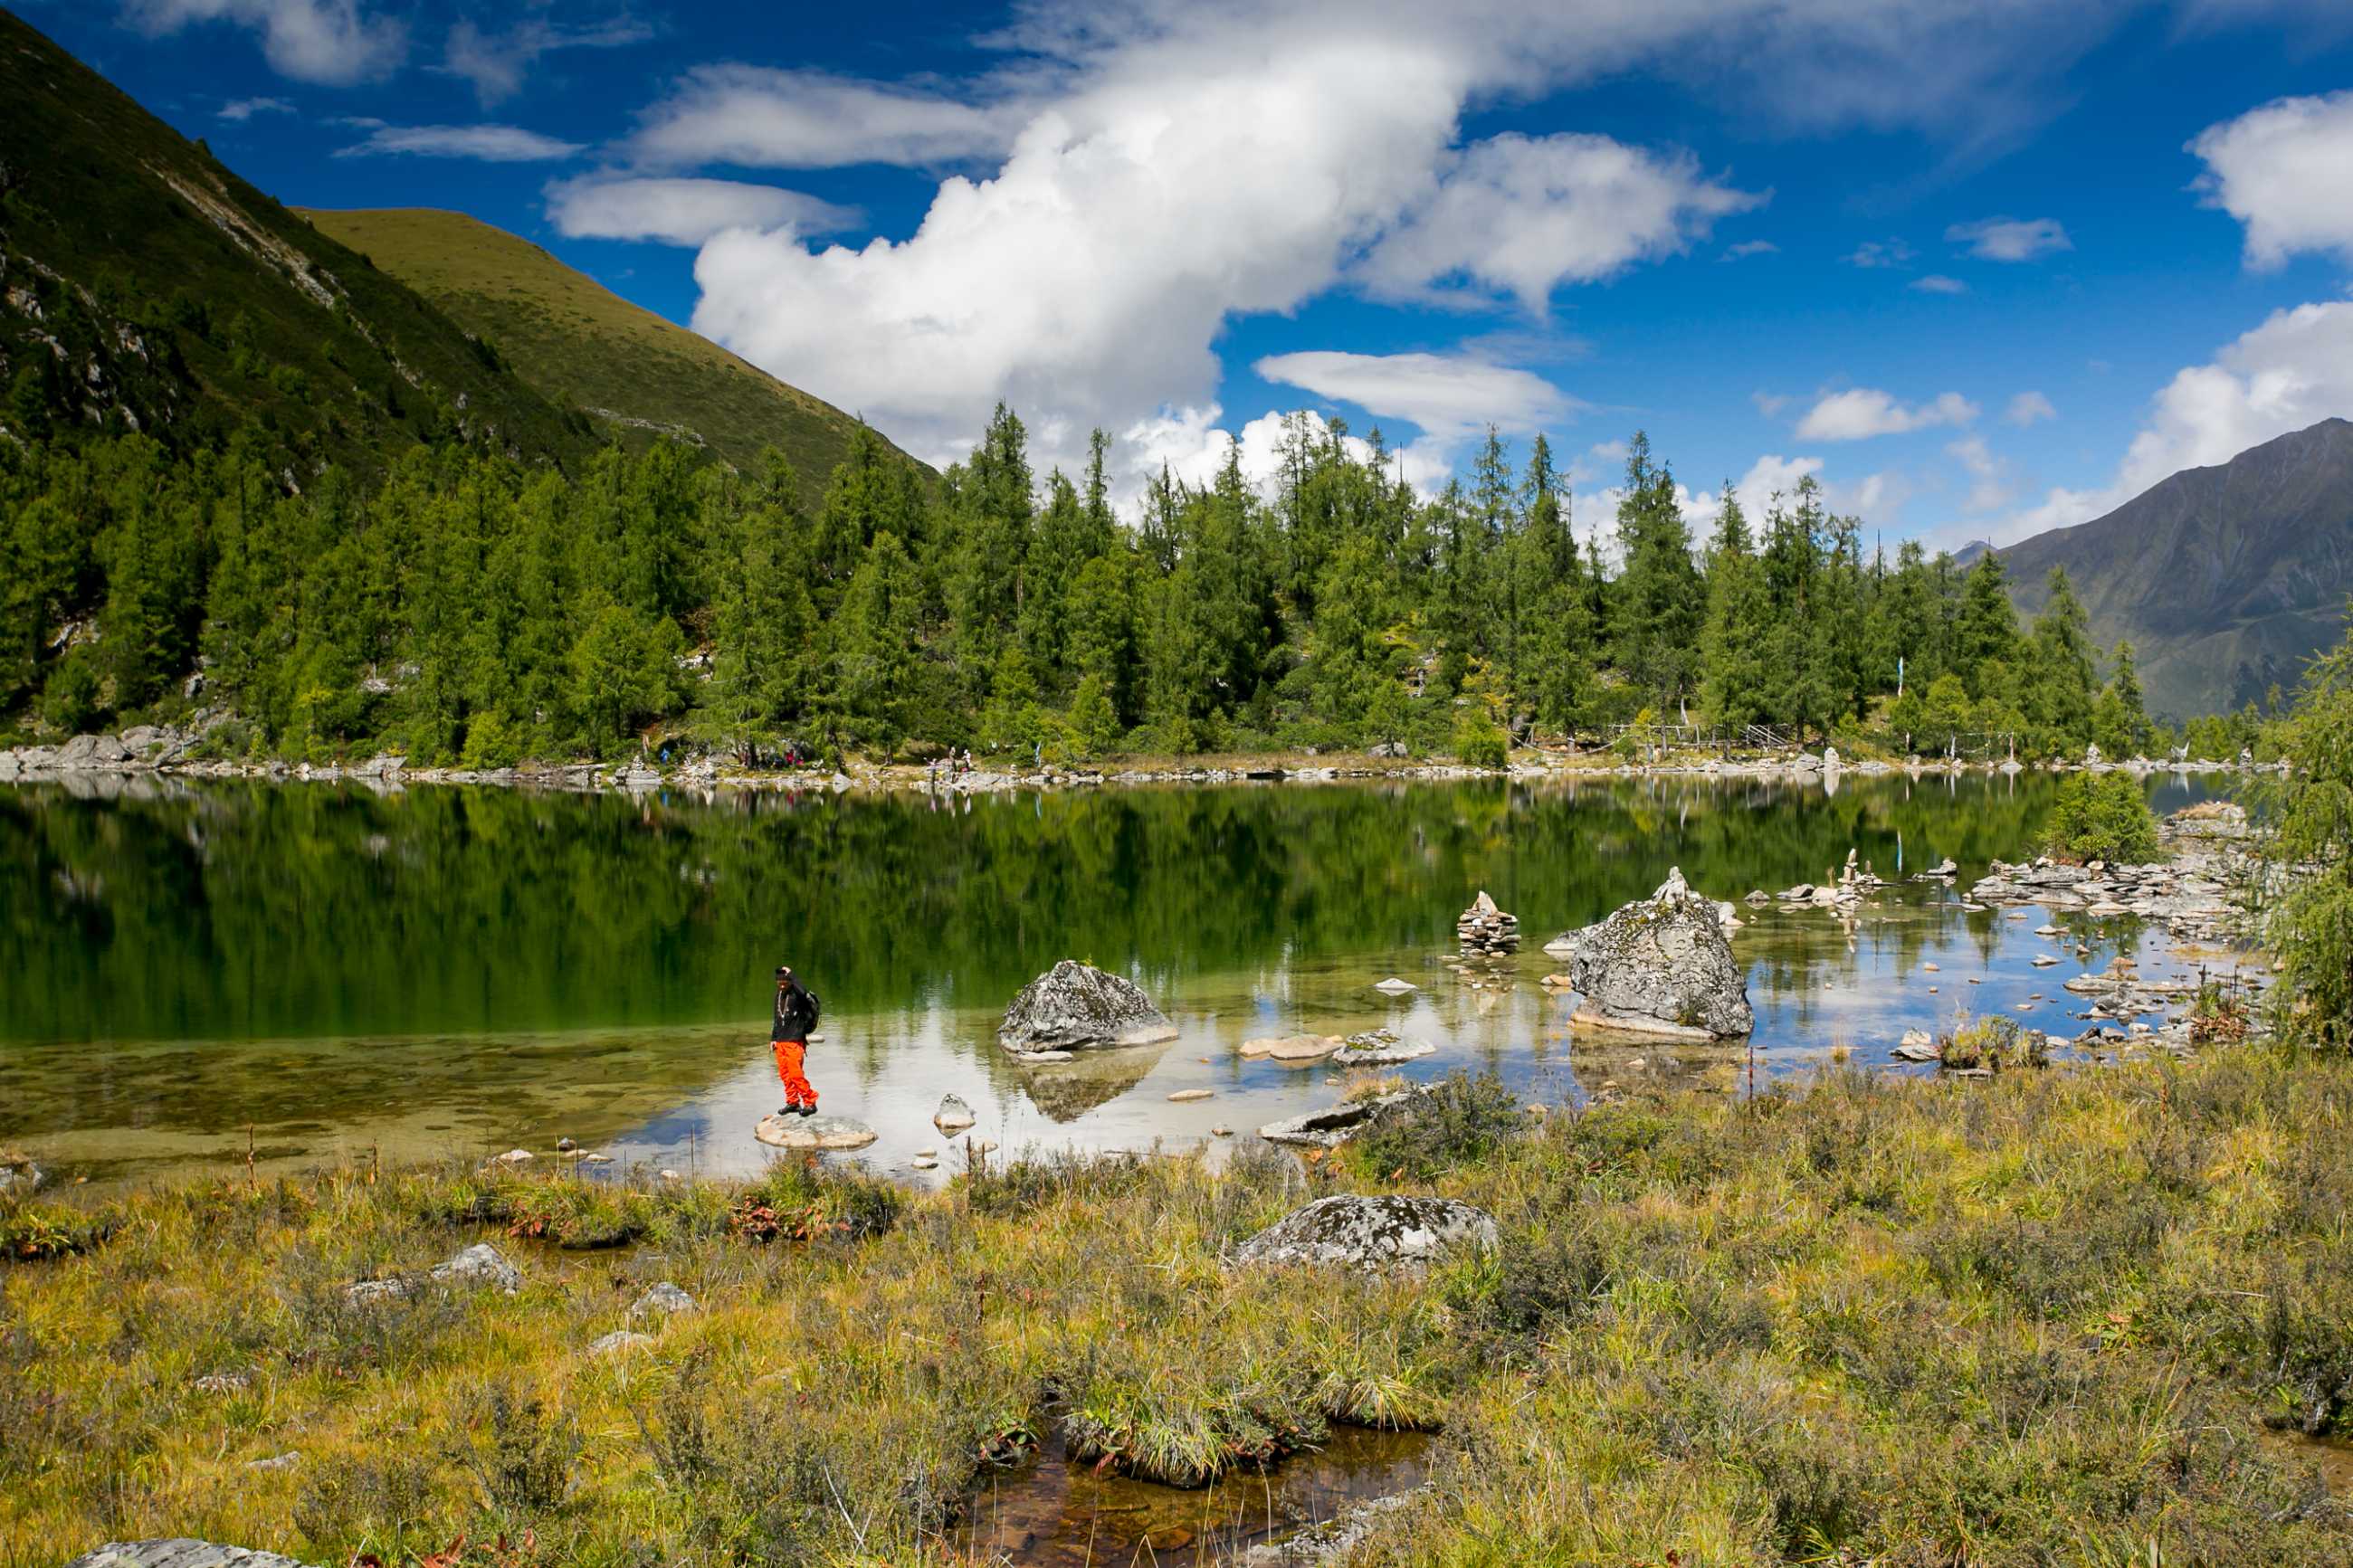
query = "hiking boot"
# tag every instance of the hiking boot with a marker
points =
(809, 1109)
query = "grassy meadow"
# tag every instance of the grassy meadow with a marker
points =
(2051, 1316)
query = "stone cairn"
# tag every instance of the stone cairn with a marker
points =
(1484, 928)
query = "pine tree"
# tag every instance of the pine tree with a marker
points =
(1986, 626)
(1659, 600)
(1736, 687)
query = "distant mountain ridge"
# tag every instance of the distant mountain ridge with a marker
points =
(143, 287)
(2225, 579)
(640, 377)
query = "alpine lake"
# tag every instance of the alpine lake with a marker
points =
(196, 973)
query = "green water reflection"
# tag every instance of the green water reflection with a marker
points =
(328, 963)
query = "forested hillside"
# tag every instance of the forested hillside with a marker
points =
(145, 288)
(637, 376)
(472, 607)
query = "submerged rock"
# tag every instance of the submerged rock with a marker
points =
(1370, 1233)
(1075, 1003)
(1662, 965)
(813, 1132)
(1380, 1048)
(1292, 1048)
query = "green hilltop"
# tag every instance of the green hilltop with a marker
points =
(638, 376)
(143, 287)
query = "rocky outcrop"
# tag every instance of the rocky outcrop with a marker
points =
(1661, 965)
(1371, 1233)
(1076, 1004)
(179, 1552)
(1333, 1125)
(480, 1266)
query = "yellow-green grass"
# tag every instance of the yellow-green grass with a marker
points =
(587, 347)
(2041, 1318)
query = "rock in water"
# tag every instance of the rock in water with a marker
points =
(813, 1132)
(1662, 965)
(953, 1116)
(1483, 928)
(1380, 1048)
(1370, 1233)
(179, 1552)
(1075, 1004)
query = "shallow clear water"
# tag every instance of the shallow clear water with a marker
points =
(469, 970)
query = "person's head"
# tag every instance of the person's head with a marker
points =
(784, 975)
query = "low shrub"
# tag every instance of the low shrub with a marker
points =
(1459, 1120)
(1479, 744)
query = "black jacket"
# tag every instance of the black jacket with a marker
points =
(797, 1011)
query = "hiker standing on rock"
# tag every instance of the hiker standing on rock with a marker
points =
(797, 1015)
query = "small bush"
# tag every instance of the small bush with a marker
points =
(522, 1452)
(1460, 1121)
(1479, 744)
(1995, 1043)
(2100, 817)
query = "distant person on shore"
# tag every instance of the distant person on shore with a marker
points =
(797, 1015)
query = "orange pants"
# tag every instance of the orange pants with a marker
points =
(789, 1054)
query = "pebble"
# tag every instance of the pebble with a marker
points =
(285, 1461)
(1222, 1131)
(513, 1157)
(1188, 1094)
(924, 1162)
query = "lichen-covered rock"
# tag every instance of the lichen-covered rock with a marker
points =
(620, 1342)
(480, 1264)
(1075, 1003)
(1663, 965)
(1380, 1048)
(954, 1115)
(1370, 1233)
(662, 1301)
(179, 1552)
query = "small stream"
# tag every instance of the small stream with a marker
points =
(1051, 1513)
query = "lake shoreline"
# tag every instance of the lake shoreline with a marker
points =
(164, 752)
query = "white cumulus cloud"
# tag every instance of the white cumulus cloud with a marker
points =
(1446, 397)
(2011, 238)
(1862, 411)
(483, 143)
(2285, 171)
(1129, 177)
(684, 212)
(327, 41)
(1523, 215)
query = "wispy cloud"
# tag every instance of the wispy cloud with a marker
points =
(1937, 283)
(2011, 238)
(497, 63)
(684, 212)
(2026, 408)
(1749, 247)
(239, 110)
(1873, 253)
(329, 41)
(484, 143)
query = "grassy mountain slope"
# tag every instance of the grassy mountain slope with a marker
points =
(638, 375)
(2226, 579)
(143, 286)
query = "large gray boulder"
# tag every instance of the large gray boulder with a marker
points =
(179, 1553)
(1662, 965)
(1074, 1005)
(1370, 1233)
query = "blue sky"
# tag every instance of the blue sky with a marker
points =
(1984, 265)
